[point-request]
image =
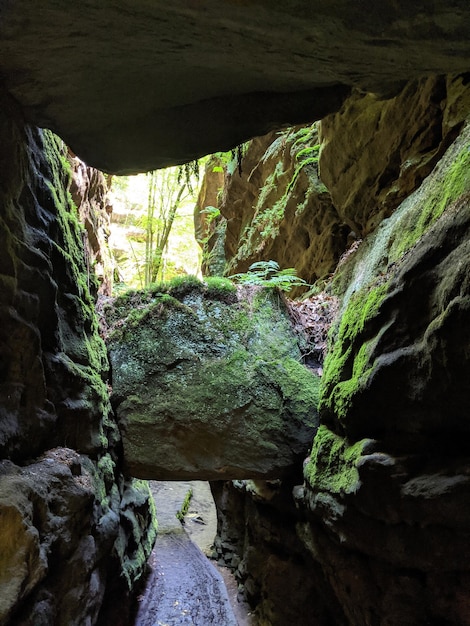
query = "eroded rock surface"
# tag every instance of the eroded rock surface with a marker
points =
(274, 206)
(154, 84)
(257, 540)
(208, 384)
(74, 531)
(383, 512)
(90, 193)
(375, 152)
(388, 475)
(57, 515)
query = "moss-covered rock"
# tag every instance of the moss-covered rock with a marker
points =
(277, 208)
(208, 383)
(75, 532)
(387, 486)
(412, 268)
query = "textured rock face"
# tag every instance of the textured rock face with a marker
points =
(256, 538)
(56, 538)
(388, 475)
(208, 384)
(89, 191)
(73, 529)
(197, 79)
(376, 152)
(373, 154)
(384, 507)
(277, 208)
(209, 227)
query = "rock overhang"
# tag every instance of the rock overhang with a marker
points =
(131, 87)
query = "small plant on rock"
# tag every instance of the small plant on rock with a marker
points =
(269, 274)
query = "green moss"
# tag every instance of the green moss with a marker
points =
(182, 285)
(218, 286)
(333, 463)
(445, 190)
(299, 387)
(347, 366)
(138, 518)
(181, 514)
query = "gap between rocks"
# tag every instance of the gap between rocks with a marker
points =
(183, 585)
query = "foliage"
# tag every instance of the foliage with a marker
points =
(269, 274)
(152, 226)
(165, 195)
(212, 213)
(185, 506)
(232, 160)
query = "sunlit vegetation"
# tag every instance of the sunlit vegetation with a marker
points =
(152, 227)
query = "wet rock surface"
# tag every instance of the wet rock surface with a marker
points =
(183, 586)
(209, 385)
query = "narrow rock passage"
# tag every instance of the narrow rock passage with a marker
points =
(183, 588)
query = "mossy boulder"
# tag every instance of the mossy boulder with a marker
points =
(208, 384)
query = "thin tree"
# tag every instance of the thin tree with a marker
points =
(167, 190)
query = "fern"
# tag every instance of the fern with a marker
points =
(269, 274)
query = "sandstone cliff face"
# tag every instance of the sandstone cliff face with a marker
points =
(276, 207)
(89, 191)
(73, 527)
(376, 152)
(383, 509)
(304, 211)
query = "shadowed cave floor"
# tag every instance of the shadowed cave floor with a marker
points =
(184, 587)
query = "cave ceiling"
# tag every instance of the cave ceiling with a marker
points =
(132, 86)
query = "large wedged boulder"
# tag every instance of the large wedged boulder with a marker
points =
(208, 384)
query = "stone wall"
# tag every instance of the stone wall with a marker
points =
(274, 206)
(74, 529)
(380, 517)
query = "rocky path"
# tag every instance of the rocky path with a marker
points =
(184, 588)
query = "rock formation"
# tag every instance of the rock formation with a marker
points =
(156, 84)
(73, 529)
(383, 506)
(208, 383)
(374, 529)
(90, 194)
(275, 207)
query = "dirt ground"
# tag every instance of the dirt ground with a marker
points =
(184, 587)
